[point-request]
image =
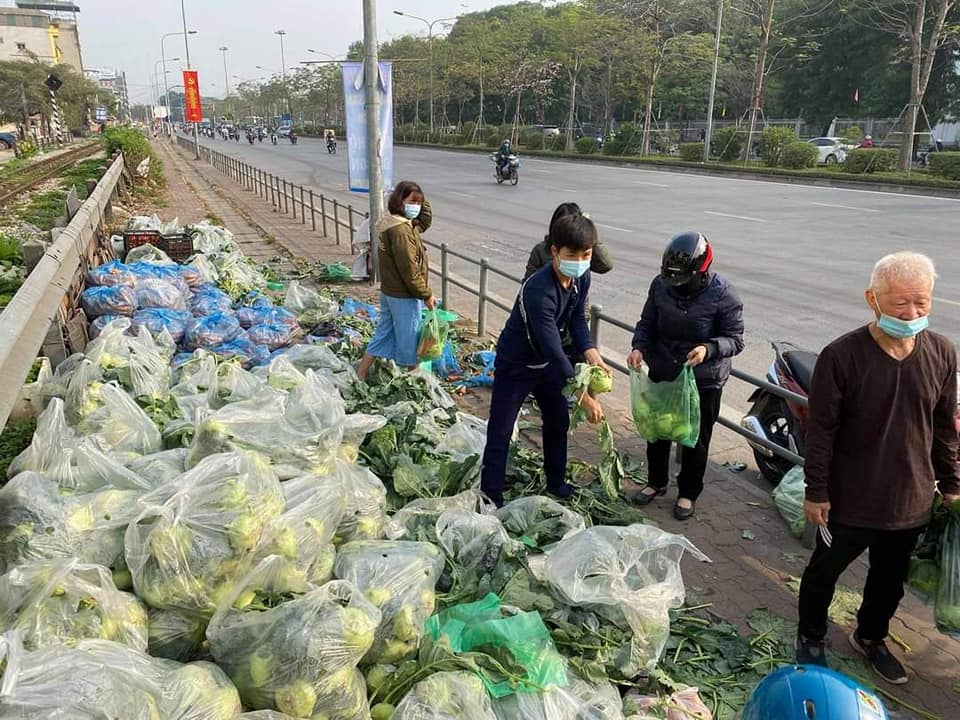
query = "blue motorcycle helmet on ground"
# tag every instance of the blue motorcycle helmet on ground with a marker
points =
(810, 692)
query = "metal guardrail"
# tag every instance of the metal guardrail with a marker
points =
(285, 196)
(38, 306)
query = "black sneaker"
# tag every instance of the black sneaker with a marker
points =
(561, 492)
(811, 652)
(881, 659)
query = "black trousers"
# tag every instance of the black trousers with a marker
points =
(693, 461)
(889, 558)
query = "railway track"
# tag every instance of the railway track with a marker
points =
(32, 175)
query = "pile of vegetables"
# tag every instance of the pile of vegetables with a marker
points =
(191, 533)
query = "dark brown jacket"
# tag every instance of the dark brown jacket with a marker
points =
(404, 271)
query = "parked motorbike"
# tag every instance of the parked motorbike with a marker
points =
(782, 422)
(507, 171)
(331, 146)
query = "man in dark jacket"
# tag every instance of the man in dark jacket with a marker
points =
(531, 359)
(880, 438)
(693, 317)
(503, 157)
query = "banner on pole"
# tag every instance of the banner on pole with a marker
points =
(160, 112)
(356, 116)
(191, 89)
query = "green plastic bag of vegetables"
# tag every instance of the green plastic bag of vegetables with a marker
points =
(520, 642)
(788, 496)
(947, 608)
(666, 410)
(434, 329)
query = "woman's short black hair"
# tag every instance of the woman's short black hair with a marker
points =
(401, 191)
(574, 232)
(563, 209)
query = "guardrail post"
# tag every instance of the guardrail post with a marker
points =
(336, 219)
(444, 275)
(293, 199)
(286, 199)
(313, 212)
(350, 224)
(273, 203)
(482, 299)
(323, 214)
(595, 311)
(303, 208)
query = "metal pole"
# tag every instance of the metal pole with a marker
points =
(186, 47)
(323, 214)
(371, 76)
(595, 311)
(166, 88)
(313, 212)
(482, 293)
(336, 219)
(444, 275)
(226, 77)
(430, 39)
(708, 134)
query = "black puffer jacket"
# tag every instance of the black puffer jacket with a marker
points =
(673, 324)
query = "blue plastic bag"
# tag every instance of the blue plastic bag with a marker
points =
(250, 316)
(273, 335)
(446, 366)
(241, 348)
(156, 320)
(152, 293)
(212, 330)
(154, 271)
(109, 300)
(191, 276)
(209, 299)
(352, 306)
(110, 273)
(485, 377)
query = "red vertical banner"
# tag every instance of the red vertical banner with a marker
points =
(191, 89)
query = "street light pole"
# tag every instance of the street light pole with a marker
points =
(708, 133)
(186, 47)
(226, 77)
(429, 25)
(371, 77)
(283, 70)
(163, 54)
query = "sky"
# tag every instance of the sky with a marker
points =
(125, 35)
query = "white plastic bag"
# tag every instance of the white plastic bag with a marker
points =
(788, 496)
(446, 696)
(121, 425)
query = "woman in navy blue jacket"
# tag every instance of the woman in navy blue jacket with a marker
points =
(692, 316)
(531, 357)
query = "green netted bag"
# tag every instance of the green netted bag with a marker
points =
(666, 410)
(517, 641)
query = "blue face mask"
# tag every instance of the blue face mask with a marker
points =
(574, 268)
(901, 329)
(411, 210)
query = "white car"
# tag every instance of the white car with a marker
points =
(832, 150)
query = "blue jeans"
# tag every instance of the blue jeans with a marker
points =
(396, 335)
(511, 385)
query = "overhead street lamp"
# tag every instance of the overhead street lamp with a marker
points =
(186, 47)
(708, 132)
(226, 79)
(283, 67)
(429, 24)
(318, 52)
(163, 55)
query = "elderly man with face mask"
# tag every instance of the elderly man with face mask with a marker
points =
(881, 438)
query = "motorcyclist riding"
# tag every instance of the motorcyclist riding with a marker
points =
(503, 158)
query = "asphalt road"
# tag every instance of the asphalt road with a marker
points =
(799, 256)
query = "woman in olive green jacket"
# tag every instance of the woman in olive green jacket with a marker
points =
(404, 278)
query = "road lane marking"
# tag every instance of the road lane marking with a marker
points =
(545, 172)
(737, 217)
(948, 302)
(614, 227)
(650, 184)
(844, 207)
(461, 194)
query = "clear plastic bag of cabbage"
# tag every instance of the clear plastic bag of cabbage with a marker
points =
(264, 715)
(788, 496)
(303, 534)
(417, 520)
(280, 640)
(366, 500)
(310, 307)
(176, 635)
(947, 606)
(121, 425)
(668, 410)
(187, 546)
(446, 696)
(100, 679)
(580, 700)
(399, 578)
(538, 521)
(481, 556)
(629, 576)
(59, 602)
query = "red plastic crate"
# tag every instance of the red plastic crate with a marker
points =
(135, 238)
(178, 247)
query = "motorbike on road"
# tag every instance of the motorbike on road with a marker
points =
(273, 138)
(506, 171)
(781, 421)
(331, 146)
(293, 137)
(251, 137)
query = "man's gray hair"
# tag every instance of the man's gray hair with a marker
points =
(902, 266)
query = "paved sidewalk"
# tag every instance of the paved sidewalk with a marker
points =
(737, 526)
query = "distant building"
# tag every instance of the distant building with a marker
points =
(35, 30)
(114, 82)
